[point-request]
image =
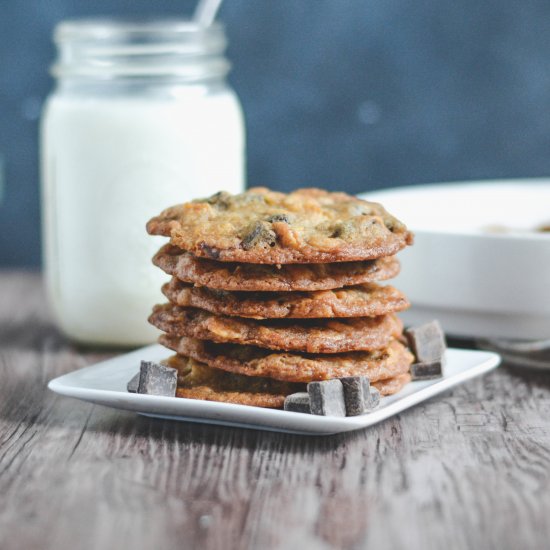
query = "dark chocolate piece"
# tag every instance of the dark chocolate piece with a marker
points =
(374, 399)
(157, 379)
(279, 218)
(260, 233)
(356, 394)
(327, 398)
(427, 342)
(298, 402)
(427, 371)
(342, 230)
(133, 384)
(222, 200)
(213, 253)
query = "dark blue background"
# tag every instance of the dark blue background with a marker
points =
(348, 94)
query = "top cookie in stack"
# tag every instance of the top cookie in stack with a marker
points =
(271, 291)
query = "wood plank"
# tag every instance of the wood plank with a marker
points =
(468, 469)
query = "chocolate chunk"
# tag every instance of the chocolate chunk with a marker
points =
(342, 230)
(209, 251)
(298, 402)
(222, 200)
(427, 371)
(327, 398)
(278, 218)
(133, 384)
(427, 342)
(374, 399)
(356, 394)
(155, 379)
(260, 233)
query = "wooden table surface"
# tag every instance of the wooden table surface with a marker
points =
(468, 469)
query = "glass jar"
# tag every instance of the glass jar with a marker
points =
(141, 118)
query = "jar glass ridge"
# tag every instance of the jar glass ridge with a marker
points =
(108, 49)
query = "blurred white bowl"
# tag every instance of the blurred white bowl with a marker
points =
(477, 264)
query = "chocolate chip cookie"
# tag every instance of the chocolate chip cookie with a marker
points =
(271, 278)
(311, 335)
(266, 227)
(199, 381)
(293, 367)
(368, 300)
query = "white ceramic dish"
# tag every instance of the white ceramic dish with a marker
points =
(477, 282)
(105, 384)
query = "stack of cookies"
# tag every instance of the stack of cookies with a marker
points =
(271, 291)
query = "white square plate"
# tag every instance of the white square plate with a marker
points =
(105, 384)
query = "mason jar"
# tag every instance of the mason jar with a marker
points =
(141, 118)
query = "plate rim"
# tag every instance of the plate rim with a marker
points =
(266, 418)
(473, 233)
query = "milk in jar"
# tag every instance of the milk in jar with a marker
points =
(141, 119)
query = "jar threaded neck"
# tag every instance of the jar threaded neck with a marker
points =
(110, 48)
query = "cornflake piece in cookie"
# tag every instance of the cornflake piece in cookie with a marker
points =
(155, 379)
(356, 394)
(427, 342)
(327, 398)
(133, 383)
(298, 402)
(427, 371)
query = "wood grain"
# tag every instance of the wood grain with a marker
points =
(469, 469)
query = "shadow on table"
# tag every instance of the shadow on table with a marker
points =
(26, 400)
(127, 424)
(31, 335)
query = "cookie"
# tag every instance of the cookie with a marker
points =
(311, 335)
(266, 227)
(270, 278)
(368, 300)
(389, 386)
(294, 367)
(198, 381)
